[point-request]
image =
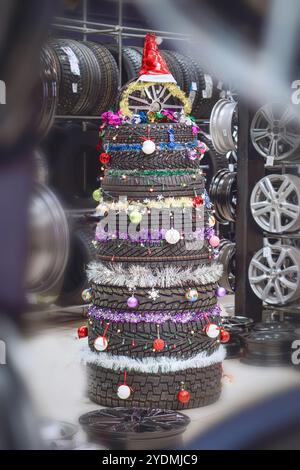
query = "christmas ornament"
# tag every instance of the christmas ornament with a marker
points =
(86, 295)
(172, 236)
(221, 292)
(97, 195)
(104, 158)
(132, 302)
(183, 395)
(191, 154)
(192, 295)
(211, 221)
(82, 331)
(198, 201)
(158, 343)
(123, 392)
(153, 294)
(212, 330)
(224, 336)
(148, 147)
(214, 241)
(135, 217)
(100, 343)
(202, 147)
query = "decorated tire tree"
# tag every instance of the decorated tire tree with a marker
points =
(154, 329)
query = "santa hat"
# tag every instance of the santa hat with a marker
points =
(154, 67)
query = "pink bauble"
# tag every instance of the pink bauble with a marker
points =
(132, 302)
(214, 241)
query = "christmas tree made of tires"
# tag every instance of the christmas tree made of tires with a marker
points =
(154, 329)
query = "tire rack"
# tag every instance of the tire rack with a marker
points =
(249, 237)
(118, 32)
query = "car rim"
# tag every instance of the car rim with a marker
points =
(275, 203)
(154, 98)
(274, 276)
(275, 131)
(223, 125)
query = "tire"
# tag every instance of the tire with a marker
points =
(70, 150)
(131, 61)
(180, 59)
(214, 160)
(174, 67)
(108, 89)
(135, 134)
(82, 252)
(41, 167)
(115, 297)
(155, 390)
(136, 339)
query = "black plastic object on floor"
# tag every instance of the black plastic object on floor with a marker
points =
(269, 348)
(135, 428)
(239, 328)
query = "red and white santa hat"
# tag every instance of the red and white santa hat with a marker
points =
(154, 67)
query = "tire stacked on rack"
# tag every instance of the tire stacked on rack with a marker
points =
(223, 195)
(87, 77)
(213, 160)
(227, 259)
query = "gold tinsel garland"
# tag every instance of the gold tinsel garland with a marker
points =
(171, 87)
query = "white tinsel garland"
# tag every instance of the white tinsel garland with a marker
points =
(152, 365)
(144, 276)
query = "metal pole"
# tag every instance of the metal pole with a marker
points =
(120, 41)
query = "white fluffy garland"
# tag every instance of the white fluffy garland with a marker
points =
(143, 276)
(152, 365)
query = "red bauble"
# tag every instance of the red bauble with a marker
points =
(183, 396)
(224, 336)
(104, 158)
(82, 331)
(198, 201)
(158, 344)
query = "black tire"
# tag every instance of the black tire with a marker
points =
(74, 76)
(214, 160)
(180, 59)
(155, 390)
(136, 339)
(74, 165)
(135, 134)
(174, 67)
(131, 61)
(82, 252)
(172, 298)
(107, 91)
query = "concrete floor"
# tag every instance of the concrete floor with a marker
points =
(58, 386)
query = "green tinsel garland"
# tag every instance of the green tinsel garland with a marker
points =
(178, 172)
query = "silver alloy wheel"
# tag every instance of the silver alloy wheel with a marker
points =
(223, 125)
(274, 276)
(275, 131)
(48, 244)
(154, 98)
(275, 203)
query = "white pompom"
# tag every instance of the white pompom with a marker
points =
(172, 236)
(100, 343)
(124, 392)
(148, 147)
(158, 40)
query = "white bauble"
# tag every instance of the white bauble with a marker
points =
(124, 392)
(212, 330)
(100, 343)
(172, 236)
(148, 147)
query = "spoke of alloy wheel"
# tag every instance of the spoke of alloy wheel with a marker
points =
(282, 256)
(285, 118)
(290, 270)
(166, 98)
(278, 291)
(267, 113)
(289, 209)
(267, 289)
(139, 107)
(171, 106)
(261, 266)
(285, 188)
(264, 187)
(259, 134)
(273, 147)
(257, 279)
(277, 221)
(159, 91)
(264, 210)
(149, 95)
(287, 283)
(154, 92)
(140, 100)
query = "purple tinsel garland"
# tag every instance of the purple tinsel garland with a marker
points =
(151, 317)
